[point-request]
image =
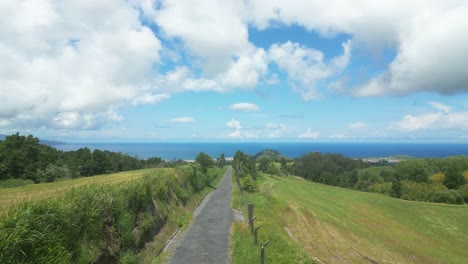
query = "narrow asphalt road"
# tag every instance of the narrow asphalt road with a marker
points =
(207, 239)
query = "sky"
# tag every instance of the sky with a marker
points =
(234, 70)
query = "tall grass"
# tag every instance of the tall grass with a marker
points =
(98, 223)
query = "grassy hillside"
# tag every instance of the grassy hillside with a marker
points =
(12, 197)
(104, 222)
(339, 226)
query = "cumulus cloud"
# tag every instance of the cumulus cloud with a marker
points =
(309, 134)
(306, 66)
(245, 107)
(441, 119)
(182, 120)
(64, 62)
(234, 124)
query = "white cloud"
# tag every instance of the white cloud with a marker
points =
(440, 107)
(309, 134)
(182, 120)
(149, 98)
(63, 61)
(246, 107)
(307, 66)
(358, 125)
(432, 121)
(211, 30)
(236, 134)
(234, 124)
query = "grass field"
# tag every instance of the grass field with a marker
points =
(345, 226)
(12, 197)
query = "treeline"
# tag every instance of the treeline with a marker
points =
(23, 157)
(433, 180)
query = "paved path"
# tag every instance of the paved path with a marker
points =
(207, 239)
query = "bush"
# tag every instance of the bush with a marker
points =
(448, 196)
(384, 188)
(248, 184)
(415, 191)
(464, 190)
(53, 172)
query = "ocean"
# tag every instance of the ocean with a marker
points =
(188, 151)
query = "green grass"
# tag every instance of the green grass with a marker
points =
(102, 222)
(271, 215)
(339, 225)
(13, 197)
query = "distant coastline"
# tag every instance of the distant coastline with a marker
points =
(188, 151)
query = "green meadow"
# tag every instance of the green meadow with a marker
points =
(336, 225)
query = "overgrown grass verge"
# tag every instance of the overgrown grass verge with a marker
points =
(14, 196)
(270, 212)
(100, 222)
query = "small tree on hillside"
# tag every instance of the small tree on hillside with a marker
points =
(453, 179)
(221, 162)
(205, 161)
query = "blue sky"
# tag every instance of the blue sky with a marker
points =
(234, 70)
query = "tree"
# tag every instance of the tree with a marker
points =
(263, 163)
(221, 162)
(453, 178)
(205, 161)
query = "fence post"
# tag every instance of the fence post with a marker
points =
(262, 254)
(252, 226)
(255, 235)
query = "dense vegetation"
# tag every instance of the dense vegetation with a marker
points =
(99, 223)
(432, 180)
(23, 157)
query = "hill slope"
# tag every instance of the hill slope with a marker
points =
(340, 226)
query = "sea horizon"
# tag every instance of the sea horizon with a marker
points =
(188, 150)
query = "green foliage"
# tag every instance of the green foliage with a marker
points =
(453, 178)
(273, 168)
(221, 161)
(248, 184)
(447, 196)
(244, 164)
(417, 191)
(53, 172)
(96, 223)
(416, 170)
(263, 163)
(325, 168)
(464, 190)
(384, 188)
(23, 157)
(205, 161)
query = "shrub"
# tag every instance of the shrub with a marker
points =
(385, 188)
(248, 184)
(464, 190)
(448, 196)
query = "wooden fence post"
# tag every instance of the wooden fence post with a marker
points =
(255, 235)
(250, 209)
(252, 226)
(262, 254)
